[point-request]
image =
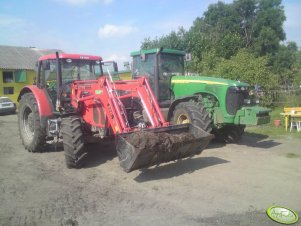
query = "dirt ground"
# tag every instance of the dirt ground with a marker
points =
(225, 185)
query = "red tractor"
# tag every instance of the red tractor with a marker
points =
(72, 100)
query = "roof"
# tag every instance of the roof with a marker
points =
(12, 57)
(151, 51)
(71, 56)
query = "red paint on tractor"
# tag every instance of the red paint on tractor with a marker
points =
(45, 107)
(71, 56)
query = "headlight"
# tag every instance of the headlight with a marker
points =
(257, 101)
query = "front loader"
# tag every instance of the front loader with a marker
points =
(74, 101)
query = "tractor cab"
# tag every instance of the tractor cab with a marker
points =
(110, 69)
(159, 65)
(57, 73)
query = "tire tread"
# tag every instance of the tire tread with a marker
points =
(74, 148)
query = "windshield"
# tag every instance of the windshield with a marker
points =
(144, 67)
(80, 70)
(71, 70)
(171, 64)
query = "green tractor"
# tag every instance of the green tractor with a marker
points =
(223, 107)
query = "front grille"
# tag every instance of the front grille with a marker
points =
(235, 99)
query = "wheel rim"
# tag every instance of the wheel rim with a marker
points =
(182, 119)
(28, 123)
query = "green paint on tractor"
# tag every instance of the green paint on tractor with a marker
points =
(228, 102)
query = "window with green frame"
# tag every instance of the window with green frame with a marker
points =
(20, 76)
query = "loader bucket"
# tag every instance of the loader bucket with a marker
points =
(142, 149)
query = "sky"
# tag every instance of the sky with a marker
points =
(108, 28)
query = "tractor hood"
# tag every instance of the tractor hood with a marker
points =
(196, 79)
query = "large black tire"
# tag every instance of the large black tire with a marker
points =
(31, 133)
(73, 140)
(194, 113)
(230, 133)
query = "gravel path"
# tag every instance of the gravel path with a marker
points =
(225, 185)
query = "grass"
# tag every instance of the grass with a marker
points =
(271, 130)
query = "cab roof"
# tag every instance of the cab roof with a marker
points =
(152, 51)
(70, 56)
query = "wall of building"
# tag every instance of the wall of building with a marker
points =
(17, 85)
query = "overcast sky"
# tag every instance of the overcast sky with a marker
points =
(109, 28)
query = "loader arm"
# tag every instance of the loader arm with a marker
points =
(110, 95)
(100, 102)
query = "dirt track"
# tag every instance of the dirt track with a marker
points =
(225, 185)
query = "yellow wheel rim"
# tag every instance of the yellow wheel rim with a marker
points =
(182, 119)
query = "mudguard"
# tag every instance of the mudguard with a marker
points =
(44, 103)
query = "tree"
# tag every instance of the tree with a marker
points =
(245, 28)
(246, 10)
(245, 66)
(174, 40)
(252, 24)
(285, 64)
(268, 27)
(225, 28)
(297, 68)
(217, 31)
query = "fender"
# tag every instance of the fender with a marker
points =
(177, 101)
(43, 100)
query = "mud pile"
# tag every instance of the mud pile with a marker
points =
(142, 149)
(163, 142)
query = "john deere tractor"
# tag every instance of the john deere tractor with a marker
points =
(217, 105)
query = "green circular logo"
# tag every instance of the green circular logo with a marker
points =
(282, 215)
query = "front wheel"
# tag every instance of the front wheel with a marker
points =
(73, 140)
(194, 113)
(32, 134)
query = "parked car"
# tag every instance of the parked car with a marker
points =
(7, 106)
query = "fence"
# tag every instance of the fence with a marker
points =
(282, 97)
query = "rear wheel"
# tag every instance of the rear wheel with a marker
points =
(194, 113)
(31, 132)
(73, 141)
